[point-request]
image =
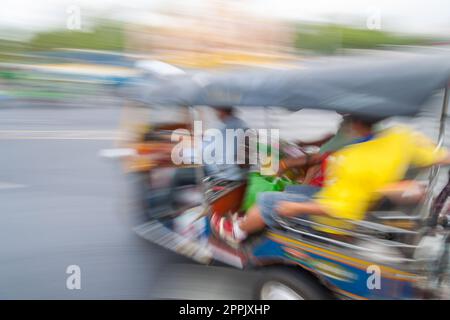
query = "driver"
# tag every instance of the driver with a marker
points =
(228, 171)
(354, 179)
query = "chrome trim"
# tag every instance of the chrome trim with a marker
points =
(434, 174)
(394, 215)
(379, 227)
(347, 245)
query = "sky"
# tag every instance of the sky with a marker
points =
(407, 16)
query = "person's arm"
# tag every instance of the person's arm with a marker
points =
(307, 159)
(318, 142)
(311, 173)
(288, 163)
(403, 191)
(407, 191)
(291, 209)
(444, 161)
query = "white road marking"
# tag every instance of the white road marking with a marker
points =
(117, 153)
(8, 185)
(60, 135)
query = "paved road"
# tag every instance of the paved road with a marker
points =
(61, 204)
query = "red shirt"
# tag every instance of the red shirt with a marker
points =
(318, 179)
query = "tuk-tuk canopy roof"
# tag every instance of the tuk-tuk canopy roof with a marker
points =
(373, 87)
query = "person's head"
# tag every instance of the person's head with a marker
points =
(224, 112)
(360, 126)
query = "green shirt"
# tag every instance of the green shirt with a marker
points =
(340, 140)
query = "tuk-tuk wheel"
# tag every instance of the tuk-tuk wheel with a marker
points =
(286, 283)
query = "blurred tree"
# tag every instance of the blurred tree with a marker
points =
(327, 39)
(104, 36)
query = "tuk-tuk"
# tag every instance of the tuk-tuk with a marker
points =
(396, 253)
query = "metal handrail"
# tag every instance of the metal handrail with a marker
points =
(380, 227)
(357, 235)
(394, 215)
(365, 224)
(345, 244)
(433, 177)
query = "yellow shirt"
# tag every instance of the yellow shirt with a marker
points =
(355, 173)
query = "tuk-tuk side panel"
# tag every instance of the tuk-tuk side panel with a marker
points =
(348, 280)
(229, 202)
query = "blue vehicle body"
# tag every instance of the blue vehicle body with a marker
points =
(346, 276)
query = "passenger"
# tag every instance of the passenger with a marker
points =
(314, 162)
(354, 179)
(345, 135)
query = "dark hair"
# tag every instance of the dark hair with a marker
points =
(364, 120)
(226, 109)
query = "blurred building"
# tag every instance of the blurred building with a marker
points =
(215, 33)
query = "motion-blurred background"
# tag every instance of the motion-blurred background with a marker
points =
(63, 65)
